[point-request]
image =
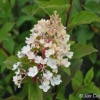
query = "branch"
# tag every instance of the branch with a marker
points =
(81, 4)
(4, 50)
(68, 13)
(55, 91)
(25, 97)
(78, 90)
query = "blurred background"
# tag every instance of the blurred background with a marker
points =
(17, 17)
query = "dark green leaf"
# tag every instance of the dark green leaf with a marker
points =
(35, 92)
(24, 60)
(13, 98)
(65, 69)
(10, 61)
(3, 57)
(22, 19)
(75, 66)
(48, 98)
(8, 44)
(93, 57)
(5, 29)
(60, 94)
(81, 50)
(92, 6)
(83, 17)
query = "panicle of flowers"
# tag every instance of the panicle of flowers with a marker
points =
(47, 49)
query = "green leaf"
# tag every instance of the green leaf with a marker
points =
(10, 61)
(65, 69)
(31, 9)
(92, 6)
(48, 98)
(92, 89)
(22, 19)
(5, 29)
(24, 60)
(74, 67)
(93, 57)
(35, 92)
(71, 97)
(49, 9)
(12, 2)
(54, 5)
(13, 98)
(84, 34)
(83, 17)
(60, 94)
(3, 67)
(89, 76)
(9, 44)
(9, 89)
(77, 80)
(3, 57)
(41, 2)
(81, 50)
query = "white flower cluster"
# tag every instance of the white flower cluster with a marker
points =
(48, 48)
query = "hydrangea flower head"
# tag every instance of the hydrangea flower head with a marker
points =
(45, 50)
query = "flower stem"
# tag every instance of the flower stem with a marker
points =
(68, 13)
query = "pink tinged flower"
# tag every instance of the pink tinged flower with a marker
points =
(37, 59)
(52, 63)
(44, 61)
(15, 66)
(55, 80)
(49, 52)
(70, 54)
(29, 40)
(47, 75)
(17, 80)
(41, 41)
(48, 44)
(44, 86)
(20, 54)
(30, 55)
(32, 71)
(26, 49)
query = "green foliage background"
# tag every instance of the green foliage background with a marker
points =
(82, 19)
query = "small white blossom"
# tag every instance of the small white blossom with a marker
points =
(55, 70)
(44, 61)
(37, 59)
(65, 62)
(70, 54)
(26, 49)
(52, 63)
(55, 80)
(29, 40)
(44, 86)
(17, 72)
(47, 75)
(49, 52)
(17, 80)
(42, 41)
(20, 54)
(32, 71)
(15, 66)
(30, 55)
